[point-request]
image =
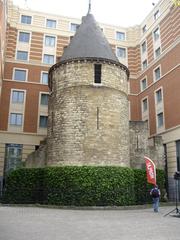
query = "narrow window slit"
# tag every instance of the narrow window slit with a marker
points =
(97, 73)
(97, 117)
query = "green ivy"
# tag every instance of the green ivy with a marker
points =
(142, 188)
(79, 186)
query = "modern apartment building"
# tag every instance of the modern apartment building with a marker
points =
(154, 83)
(3, 9)
(3, 17)
(35, 41)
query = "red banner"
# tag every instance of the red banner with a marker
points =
(150, 171)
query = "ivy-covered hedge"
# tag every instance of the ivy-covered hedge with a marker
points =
(79, 186)
(24, 186)
(89, 186)
(142, 188)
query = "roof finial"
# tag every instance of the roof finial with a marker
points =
(89, 9)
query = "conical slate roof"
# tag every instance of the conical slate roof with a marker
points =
(89, 42)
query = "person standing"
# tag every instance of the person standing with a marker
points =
(155, 193)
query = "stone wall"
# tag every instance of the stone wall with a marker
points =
(88, 123)
(37, 158)
(141, 145)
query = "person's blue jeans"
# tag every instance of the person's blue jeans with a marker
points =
(156, 204)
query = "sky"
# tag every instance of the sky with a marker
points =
(116, 12)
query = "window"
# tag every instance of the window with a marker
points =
(160, 120)
(74, 27)
(26, 19)
(24, 37)
(43, 121)
(44, 79)
(48, 59)
(144, 29)
(97, 73)
(17, 96)
(121, 52)
(156, 34)
(120, 36)
(50, 41)
(156, 15)
(159, 96)
(16, 119)
(178, 154)
(20, 75)
(51, 23)
(143, 84)
(44, 99)
(13, 156)
(22, 55)
(157, 74)
(144, 64)
(157, 52)
(143, 47)
(144, 105)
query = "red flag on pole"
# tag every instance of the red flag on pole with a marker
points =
(150, 170)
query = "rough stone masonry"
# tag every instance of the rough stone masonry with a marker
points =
(88, 120)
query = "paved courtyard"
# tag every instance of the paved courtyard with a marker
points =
(33, 223)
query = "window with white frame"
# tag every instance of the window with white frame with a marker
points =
(158, 52)
(19, 75)
(44, 78)
(144, 29)
(158, 96)
(160, 120)
(43, 121)
(24, 37)
(144, 64)
(48, 59)
(156, 34)
(16, 119)
(143, 84)
(143, 47)
(26, 19)
(157, 73)
(156, 14)
(50, 41)
(120, 36)
(17, 96)
(74, 27)
(22, 55)
(121, 52)
(44, 99)
(144, 105)
(50, 23)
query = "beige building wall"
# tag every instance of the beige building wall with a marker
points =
(29, 142)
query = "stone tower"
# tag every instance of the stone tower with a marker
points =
(88, 122)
